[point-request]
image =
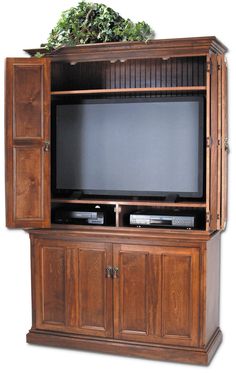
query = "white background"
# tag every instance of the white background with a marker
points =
(26, 24)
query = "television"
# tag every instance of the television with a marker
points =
(130, 147)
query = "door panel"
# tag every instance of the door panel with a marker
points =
(28, 101)
(133, 295)
(27, 163)
(73, 293)
(156, 294)
(176, 294)
(53, 285)
(27, 130)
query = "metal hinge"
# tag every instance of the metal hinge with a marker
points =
(209, 142)
(46, 145)
(209, 67)
(208, 217)
(226, 143)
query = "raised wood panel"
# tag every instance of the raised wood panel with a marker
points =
(156, 297)
(28, 101)
(28, 187)
(133, 292)
(72, 292)
(180, 295)
(92, 288)
(53, 285)
(27, 127)
(176, 303)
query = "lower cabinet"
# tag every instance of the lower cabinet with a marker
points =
(132, 292)
(72, 292)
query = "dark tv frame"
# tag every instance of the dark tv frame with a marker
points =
(138, 194)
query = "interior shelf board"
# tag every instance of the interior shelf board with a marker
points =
(130, 203)
(124, 90)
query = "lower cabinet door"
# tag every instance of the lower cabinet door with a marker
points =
(71, 290)
(156, 294)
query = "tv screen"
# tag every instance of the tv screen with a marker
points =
(131, 146)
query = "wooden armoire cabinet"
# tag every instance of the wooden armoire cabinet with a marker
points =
(148, 291)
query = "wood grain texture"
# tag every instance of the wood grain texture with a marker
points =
(212, 286)
(156, 296)
(72, 292)
(27, 127)
(28, 101)
(177, 295)
(158, 48)
(28, 189)
(214, 144)
(129, 90)
(179, 354)
(224, 194)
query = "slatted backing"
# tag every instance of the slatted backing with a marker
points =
(140, 73)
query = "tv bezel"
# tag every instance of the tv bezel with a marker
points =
(122, 193)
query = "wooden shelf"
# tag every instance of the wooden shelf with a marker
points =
(130, 203)
(129, 90)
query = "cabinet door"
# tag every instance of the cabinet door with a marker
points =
(156, 294)
(72, 292)
(27, 135)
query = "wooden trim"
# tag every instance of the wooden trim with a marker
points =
(130, 203)
(208, 135)
(112, 234)
(158, 48)
(225, 150)
(190, 355)
(128, 90)
(219, 141)
(213, 144)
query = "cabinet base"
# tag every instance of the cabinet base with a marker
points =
(191, 355)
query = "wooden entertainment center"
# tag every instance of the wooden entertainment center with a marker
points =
(147, 292)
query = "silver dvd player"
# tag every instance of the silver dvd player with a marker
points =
(156, 220)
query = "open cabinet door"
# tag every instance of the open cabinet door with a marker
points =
(225, 146)
(27, 142)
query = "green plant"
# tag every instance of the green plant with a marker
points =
(95, 23)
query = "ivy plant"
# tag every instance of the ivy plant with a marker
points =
(95, 23)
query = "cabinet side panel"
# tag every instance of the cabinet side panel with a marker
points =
(212, 286)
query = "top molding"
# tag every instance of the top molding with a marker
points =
(158, 48)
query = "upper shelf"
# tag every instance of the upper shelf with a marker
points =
(129, 90)
(159, 48)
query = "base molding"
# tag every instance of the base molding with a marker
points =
(191, 355)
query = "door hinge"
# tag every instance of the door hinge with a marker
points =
(226, 143)
(209, 142)
(46, 145)
(208, 217)
(209, 67)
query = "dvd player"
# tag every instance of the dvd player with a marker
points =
(76, 216)
(155, 219)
